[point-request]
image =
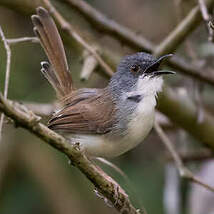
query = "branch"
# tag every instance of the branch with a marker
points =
(136, 41)
(183, 171)
(89, 65)
(102, 182)
(191, 70)
(22, 39)
(206, 17)
(7, 75)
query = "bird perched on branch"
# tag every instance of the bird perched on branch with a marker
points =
(105, 122)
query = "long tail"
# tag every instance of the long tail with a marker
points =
(58, 73)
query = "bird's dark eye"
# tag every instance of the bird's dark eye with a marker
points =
(135, 68)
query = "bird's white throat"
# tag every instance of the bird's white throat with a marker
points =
(148, 86)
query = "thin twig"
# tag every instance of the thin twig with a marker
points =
(204, 10)
(89, 65)
(68, 27)
(22, 39)
(183, 171)
(193, 71)
(106, 186)
(7, 43)
(7, 75)
(207, 19)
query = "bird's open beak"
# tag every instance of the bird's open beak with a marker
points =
(155, 66)
(162, 72)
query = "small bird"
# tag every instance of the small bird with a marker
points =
(105, 122)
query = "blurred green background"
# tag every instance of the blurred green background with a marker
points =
(35, 178)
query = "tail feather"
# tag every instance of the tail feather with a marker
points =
(58, 74)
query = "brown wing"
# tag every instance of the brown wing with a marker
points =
(85, 111)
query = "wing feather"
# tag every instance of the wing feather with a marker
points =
(86, 111)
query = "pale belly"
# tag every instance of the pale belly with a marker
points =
(137, 129)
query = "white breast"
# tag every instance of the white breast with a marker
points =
(142, 122)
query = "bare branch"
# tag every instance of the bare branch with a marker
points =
(102, 182)
(183, 171)
(7, 75)
(207, 19)
(67, 27)
(22, 39)
(7, 43)
(191, 70)
(204, 10)
(89, 65)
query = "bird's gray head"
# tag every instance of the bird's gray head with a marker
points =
(138, 72)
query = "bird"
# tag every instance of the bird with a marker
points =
(106, 122)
